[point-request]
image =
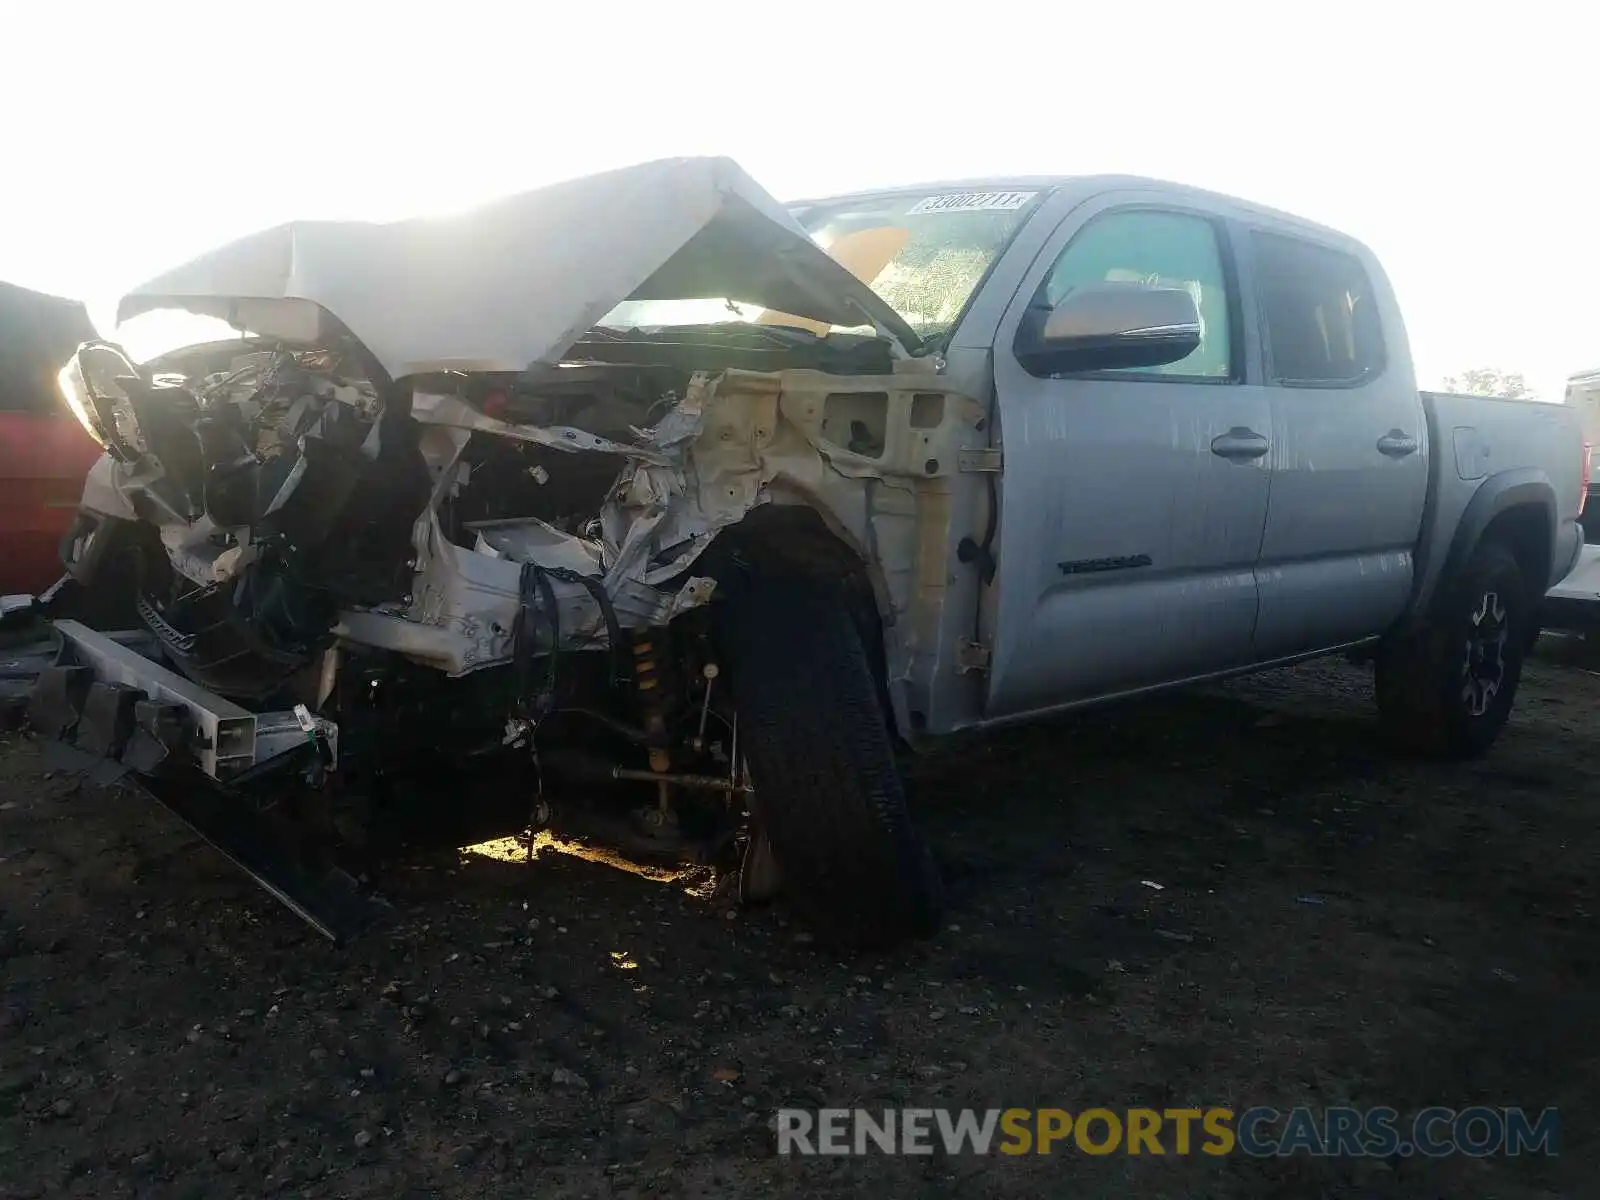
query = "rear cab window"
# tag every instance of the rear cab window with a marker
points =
(1319, 313)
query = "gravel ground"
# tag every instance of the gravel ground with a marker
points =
(1332, 927)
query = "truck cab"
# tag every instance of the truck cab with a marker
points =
(1300, 393)
(1279, 489)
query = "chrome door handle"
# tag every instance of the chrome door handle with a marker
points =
(1397, 444)
(1240, 444)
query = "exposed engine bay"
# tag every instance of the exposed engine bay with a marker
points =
(298, 506)
(417, 559)
(412, 522)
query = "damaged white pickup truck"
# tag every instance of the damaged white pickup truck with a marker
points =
(650, 483)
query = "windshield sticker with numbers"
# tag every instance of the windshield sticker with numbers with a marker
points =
(958, 202)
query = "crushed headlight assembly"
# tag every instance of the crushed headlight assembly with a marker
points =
(76, 393)
(92, 384)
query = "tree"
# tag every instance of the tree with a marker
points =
(1487, 381)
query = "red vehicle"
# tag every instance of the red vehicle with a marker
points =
(44, 452)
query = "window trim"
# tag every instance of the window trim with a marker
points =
(1232, 286)
(1257, 277)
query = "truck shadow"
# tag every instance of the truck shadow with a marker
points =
(1083, 841)
(1184, 786)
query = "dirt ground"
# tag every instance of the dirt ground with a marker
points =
(1332, 927)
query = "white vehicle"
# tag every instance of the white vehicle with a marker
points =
(1573, 604)
(1583, 394)
(649, 479)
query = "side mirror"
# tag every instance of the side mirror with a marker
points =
(1104, 326)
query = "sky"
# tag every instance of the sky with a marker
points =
(1457, 140)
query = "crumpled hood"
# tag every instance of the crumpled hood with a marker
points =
(517, 282)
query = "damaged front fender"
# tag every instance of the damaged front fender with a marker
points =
(875, 457)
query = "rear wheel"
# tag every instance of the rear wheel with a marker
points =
(1447, 690)
(828, 797)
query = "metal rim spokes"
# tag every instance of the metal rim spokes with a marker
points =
(1483, 671)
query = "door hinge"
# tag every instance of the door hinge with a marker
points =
(986, 459)
(972, 657)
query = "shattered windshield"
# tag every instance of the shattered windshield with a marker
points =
(923, 253)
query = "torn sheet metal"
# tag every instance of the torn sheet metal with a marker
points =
(873, 455)
(435, 408)
(735, 441)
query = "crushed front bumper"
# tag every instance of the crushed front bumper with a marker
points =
(105, 698)
(101, 707)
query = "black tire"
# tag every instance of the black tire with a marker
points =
(1433, 687)
(828, 794)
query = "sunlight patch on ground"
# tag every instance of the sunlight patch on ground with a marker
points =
(515, 850)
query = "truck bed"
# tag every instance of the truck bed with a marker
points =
(1473, 439)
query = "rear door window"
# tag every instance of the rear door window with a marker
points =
(1322, 325)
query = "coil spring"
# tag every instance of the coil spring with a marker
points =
(649, 686)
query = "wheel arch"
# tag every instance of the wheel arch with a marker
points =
(796, 540)
(1516, 508)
